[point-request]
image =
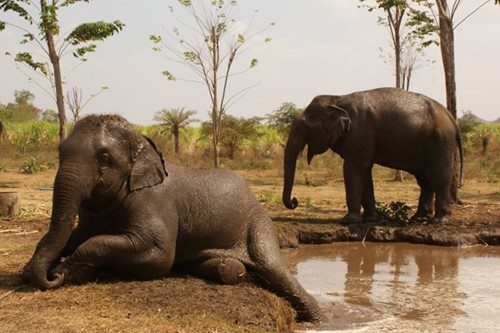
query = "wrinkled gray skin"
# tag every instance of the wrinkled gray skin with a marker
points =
(140, 216)
(385, 126)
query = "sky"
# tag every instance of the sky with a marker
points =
(318, 47)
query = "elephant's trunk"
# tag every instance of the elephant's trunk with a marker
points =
(295, 144)
(66, 202)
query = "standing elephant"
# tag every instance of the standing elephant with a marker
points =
(386, 126)
(140, 216)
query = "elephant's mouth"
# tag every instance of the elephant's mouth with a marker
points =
(104, 202)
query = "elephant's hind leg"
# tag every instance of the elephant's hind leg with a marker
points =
(424, 210)
(440, 184)
(442, 205)
(440, 178)
(270, 269)
(222, 270)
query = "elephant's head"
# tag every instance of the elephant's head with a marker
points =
(99, 163)
(319, 127)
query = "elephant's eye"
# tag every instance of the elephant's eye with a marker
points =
(104, 160)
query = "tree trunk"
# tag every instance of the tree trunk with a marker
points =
(215, 136)
(398, 176)
(216, 112)
(10, 204)
(60, 101)
(397, 56)
(54, 59)
(447, 44)
(485, 140)
(395, 22)
(176, 141)
(1, 132)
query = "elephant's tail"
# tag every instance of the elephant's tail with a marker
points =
(461, 154)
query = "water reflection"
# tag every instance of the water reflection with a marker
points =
(402, 287)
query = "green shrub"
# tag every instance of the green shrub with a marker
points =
(34, 165)
(396, 211)
(269, 197)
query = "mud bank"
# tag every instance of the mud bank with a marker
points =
(183, 303)
(455, 233)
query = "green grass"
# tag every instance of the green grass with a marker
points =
(31, 136)
(262, 152)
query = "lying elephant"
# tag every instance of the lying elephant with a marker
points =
(140, 216)
(386, 126)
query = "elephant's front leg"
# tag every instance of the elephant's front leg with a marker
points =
(368, 199)
(79, 235)
(354, 179)
(124, 254)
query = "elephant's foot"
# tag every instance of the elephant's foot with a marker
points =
(421, 218)
(225, 270)
(75, 273)
(370, 217)
(231, 271)
(25, 273)
(352, 218)
(441, 219)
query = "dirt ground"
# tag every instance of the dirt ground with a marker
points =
(187, 304)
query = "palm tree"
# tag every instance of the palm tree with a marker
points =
(174, 120)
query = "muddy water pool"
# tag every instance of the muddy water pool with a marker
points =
(375, 287)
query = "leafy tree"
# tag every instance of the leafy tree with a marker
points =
(234, 131)
(411, 61)
(22, 109)
(408, 28)
(447, 26)
(409, 36)
(23, 97)
(283, 117)
(470, 126)
(50, 116)
(210, 44)
(174, 120)
(446, 23)
(41, 27)
(468, 122)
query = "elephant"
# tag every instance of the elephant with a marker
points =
(141, 217)
(386, 126)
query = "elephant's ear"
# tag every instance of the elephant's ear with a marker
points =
(338, 124)
(148, 167)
